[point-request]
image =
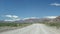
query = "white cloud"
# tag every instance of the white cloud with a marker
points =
(7, 16)
(11, 18)
(55, 4)
(14, 16)
(52, 17)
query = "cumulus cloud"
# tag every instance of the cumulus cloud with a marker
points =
(52, 17)
(55, 4)
(11, 18)
(8, 16)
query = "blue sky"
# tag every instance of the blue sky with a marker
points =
(30, 8)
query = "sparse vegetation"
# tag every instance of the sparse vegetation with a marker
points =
(55, 24)
(11, 26)
(14, 24)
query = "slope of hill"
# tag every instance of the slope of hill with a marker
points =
(54, 22)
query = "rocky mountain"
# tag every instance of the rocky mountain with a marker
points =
(31, 20)
(55, 20)
(35, 20)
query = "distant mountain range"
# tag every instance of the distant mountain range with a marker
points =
(29, 20)
(36, 20)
